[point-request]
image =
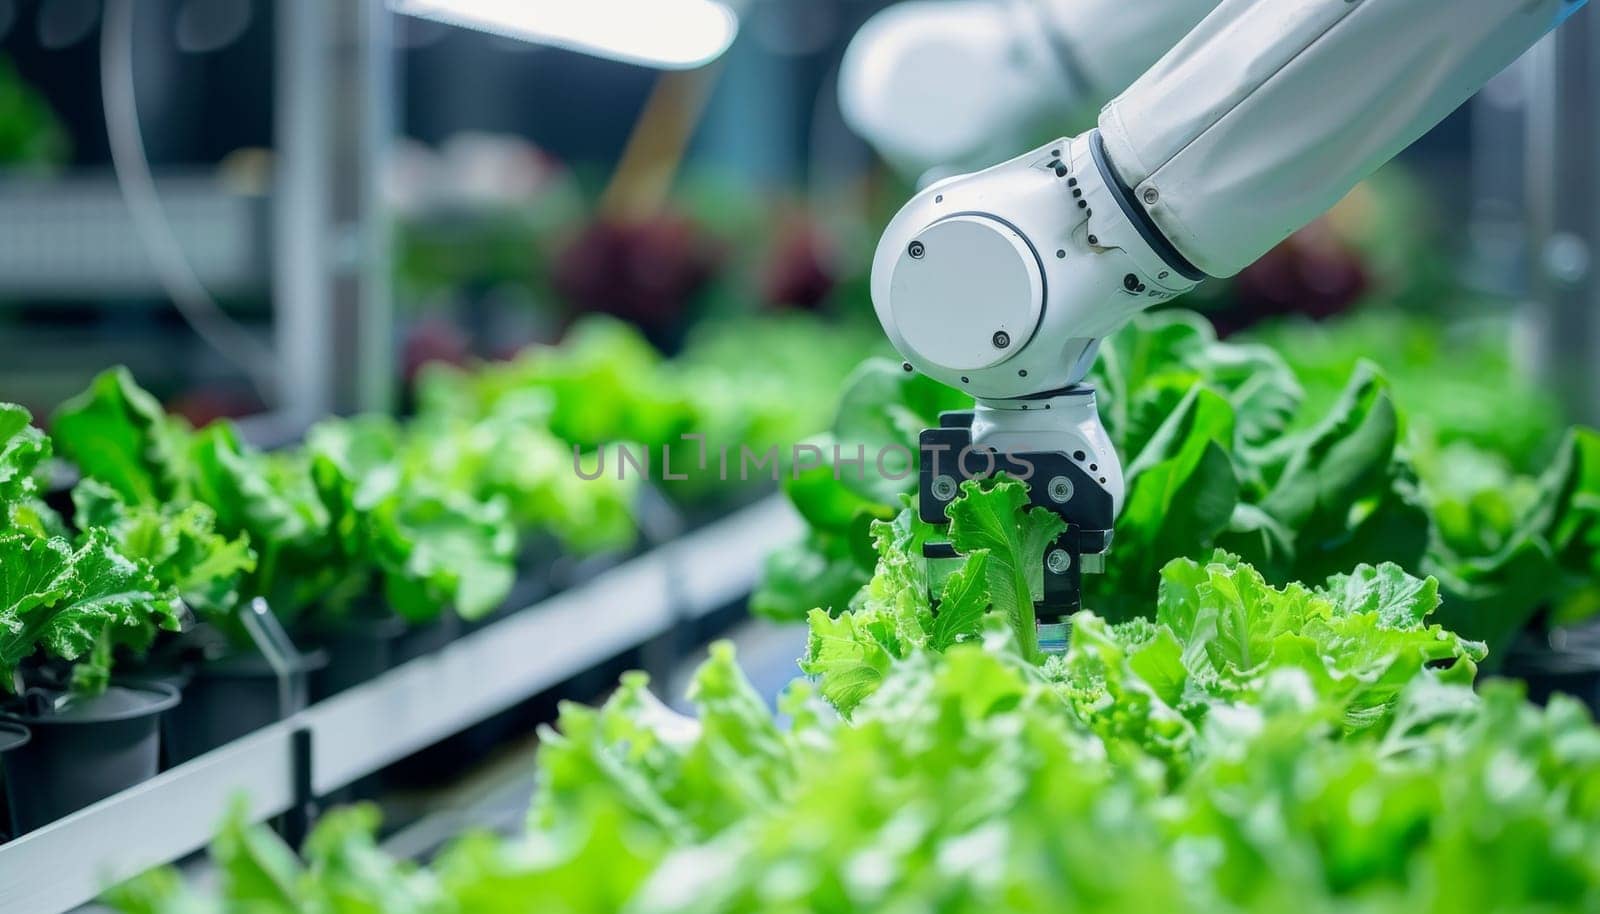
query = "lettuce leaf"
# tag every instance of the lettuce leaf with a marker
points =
(66, 601)
(117, 433)
(433, 548)
(1182, 492)
(22, 449)
(971, 783)
(511, 456)
(881, 412)
(178, 542)
(272, 500)
(1013, 538)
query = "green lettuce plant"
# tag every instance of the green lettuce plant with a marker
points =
(1249, 748)
(427, 548)
(315, 530)
(1223, 450)
(73, 598)
(755, 383)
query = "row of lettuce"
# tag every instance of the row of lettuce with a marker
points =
(172, 531)
(1301, 454)
(1217, 737)
(1236, 747)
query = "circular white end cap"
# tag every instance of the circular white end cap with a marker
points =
(962, 288)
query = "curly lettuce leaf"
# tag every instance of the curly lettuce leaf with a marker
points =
(850, 653)
(347, 872)
(673, 779)
(179, 543)
(1001, 574)
(66, 601)
(434, 549)
(440, 552)
(970, 783)
(512, 456)
(23, 449)
(998, 522)
(273, 500)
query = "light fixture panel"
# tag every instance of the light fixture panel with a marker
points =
(666, 34)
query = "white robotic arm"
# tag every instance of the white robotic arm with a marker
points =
(1003, 282)
(957, 84)
(1270, 111)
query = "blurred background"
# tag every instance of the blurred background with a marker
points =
(276, 211)
(342, 193)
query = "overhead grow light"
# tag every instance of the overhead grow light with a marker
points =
(667, 34)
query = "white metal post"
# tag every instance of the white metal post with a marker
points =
(1564, 197)
(299, 209)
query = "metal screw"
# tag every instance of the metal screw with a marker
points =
(939, 199)
(1002, 339)
(1061, 254)
(1059, 561)
(1094, 240)
(1130, 282)
(944, 488)
(917, 250)
(907, 367)
(1060, 490)
(1151, 196)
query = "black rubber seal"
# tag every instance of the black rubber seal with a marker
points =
(1141, 220)
(1074, 390)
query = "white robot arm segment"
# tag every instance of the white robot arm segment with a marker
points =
(1270, 111)
(1003, 282)
(957, 84)
(1109, 43)
(947, 83)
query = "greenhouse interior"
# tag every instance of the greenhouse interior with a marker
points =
(697, 456)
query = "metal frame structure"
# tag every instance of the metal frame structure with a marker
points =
(1564, 210)
(320, 244)
(335, 81)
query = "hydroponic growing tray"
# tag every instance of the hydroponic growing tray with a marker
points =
(335, 742)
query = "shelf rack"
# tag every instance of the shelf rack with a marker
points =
(70, 862)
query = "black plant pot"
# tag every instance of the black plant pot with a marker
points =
(177, 680)
(1562, 661)
(12, 736)
(84, 752)
(419, 640)
(361, 651)
(536, 552)
(234, 696)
